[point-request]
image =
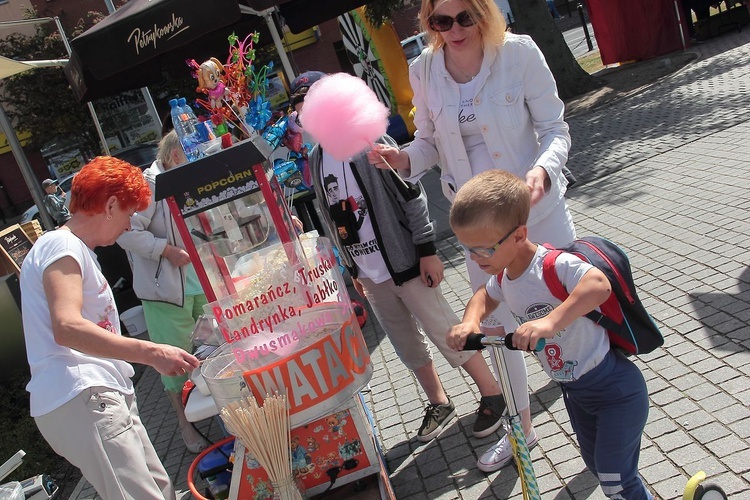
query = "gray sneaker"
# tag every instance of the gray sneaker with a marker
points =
(490, 410)
(435, 418)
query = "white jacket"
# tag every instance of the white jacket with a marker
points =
(154, 276)
(518, 111)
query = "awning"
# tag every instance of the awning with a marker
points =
(132, 46)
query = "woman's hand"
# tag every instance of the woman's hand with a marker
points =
(381, 153)
(176, 256)
(172, 361)
(539, 183)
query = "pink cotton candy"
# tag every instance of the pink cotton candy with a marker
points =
(342, 114)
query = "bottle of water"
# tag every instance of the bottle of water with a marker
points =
(189, 138)
(204, 133)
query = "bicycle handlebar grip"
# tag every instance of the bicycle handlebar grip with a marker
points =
(474, 342)
(540, 343)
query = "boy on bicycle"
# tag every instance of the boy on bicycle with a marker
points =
(605, 394)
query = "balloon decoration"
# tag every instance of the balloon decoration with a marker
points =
(235, 91)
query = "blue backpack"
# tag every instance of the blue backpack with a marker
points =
(629, 326)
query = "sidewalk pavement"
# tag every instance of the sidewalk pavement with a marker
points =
(665, 174)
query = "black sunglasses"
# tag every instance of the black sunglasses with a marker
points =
(445, 23)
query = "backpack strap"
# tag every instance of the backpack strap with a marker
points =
(551, 279)
(555, 286)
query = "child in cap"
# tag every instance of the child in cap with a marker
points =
(604, 392)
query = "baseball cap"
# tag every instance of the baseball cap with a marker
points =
(302, 83)
(47, 183)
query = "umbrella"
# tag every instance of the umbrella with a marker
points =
(132, 46)
(127, 48)
(300, 15)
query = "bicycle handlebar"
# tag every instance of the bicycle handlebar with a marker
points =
(478, 341)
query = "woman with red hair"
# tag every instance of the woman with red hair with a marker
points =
(82, 396)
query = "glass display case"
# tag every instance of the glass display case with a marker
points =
(227, 206)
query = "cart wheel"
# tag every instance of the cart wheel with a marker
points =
(709, 492)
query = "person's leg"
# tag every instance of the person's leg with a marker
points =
(553, 9)
(608, 416)
(515, 363)
(585, 427)
(434, 313)
(409, 342)
(428, 378)
(621, 423)
(158, 472)
(99, 432)
(173, 325)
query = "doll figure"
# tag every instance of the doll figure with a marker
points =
(209, 81)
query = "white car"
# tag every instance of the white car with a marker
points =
(413, 46)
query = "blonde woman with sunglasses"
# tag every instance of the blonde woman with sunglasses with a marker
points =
(486, 99)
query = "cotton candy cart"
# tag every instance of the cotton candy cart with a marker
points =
(282, 313)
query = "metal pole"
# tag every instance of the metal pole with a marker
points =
(279, 46)
(268, 16)
(585, 27)
(679, 24)
(28, 174)
(98, 125)
(144, 90)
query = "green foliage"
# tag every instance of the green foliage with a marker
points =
(379, 12)
(41, 100)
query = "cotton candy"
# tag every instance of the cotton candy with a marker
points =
(344, 115)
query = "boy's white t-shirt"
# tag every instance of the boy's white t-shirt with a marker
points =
(572, 352)
(59, 373)
(367, 254)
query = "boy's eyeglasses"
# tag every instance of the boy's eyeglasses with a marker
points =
(445, 23)
(486, 253)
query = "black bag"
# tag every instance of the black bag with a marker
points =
(569, 176)
(629, 326)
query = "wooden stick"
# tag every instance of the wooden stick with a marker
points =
(393, 170)
(265, 432)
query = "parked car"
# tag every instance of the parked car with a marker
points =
(140, 155)
(413, 46)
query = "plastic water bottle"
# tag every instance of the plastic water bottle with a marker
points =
(189, 137)
(204, 133)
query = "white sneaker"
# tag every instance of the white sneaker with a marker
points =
(501, 453)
